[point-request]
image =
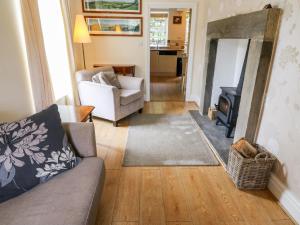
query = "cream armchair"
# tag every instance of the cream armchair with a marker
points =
(110, 102)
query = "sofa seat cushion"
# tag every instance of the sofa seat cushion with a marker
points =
(68, 198)
(129, 96)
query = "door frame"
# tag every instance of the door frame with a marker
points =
(168, 5)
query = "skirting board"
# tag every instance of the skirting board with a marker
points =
(286, 199)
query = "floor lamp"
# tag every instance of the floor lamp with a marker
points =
(81, 34)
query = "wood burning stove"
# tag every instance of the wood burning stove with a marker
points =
(228, 107)
(229, 102)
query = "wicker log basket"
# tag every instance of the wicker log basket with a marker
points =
(249, 166)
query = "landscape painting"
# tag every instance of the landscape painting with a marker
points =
(113, 6)
(115, 26)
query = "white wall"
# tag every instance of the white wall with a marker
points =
(229, 62)
(16, 98)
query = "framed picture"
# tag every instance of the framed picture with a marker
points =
(177, 19)
(114, 26)
(112, 6)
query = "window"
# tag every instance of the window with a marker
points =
(56, 49)
(159, 30)
(187, 31)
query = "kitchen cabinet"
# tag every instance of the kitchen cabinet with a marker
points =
(154, 56)
(163, 61)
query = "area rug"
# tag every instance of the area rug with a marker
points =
(166, 140)
(215, 134)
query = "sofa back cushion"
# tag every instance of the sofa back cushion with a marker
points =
(32, 151)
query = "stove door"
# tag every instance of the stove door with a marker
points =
(225, 106)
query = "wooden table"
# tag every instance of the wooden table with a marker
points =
(70, 113)
(123, 69)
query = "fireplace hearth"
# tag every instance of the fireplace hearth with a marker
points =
(229, 101)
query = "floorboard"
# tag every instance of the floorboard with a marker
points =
(151, 203)
(175, 201)
(109, 196)
(202, 201)
(166, 88)
(127, 208)
(179, 223)
(125, 223)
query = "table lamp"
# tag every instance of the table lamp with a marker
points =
(81, 34)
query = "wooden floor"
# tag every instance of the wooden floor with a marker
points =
(174, 195)
(166, 88)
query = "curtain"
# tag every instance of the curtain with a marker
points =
(37, 60)
(66, 12)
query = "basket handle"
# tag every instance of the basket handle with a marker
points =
(262, 156)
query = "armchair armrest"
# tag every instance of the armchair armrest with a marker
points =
(82, 137)
(131, 83)
(105, 98)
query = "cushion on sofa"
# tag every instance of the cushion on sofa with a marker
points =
(108, 78)
(128, 96)
(32, 151)
(96, 78)
(71, 198)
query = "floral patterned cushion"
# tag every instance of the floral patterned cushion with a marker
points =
(32, 151)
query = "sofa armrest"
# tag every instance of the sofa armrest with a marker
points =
(82, 137)
(131, 83)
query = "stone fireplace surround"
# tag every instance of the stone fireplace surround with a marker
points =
(262, 28)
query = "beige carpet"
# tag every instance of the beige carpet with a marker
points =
(165, 140)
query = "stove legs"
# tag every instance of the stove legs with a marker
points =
(229, 128)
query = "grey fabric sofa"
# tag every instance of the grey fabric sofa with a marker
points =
(71, 198)
(110, 102)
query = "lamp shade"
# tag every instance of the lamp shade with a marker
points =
(81, 32)
(118, 28)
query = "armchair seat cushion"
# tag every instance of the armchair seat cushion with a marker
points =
(129, 96)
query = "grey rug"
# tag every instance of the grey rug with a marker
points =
(165, 140)
(215, 134)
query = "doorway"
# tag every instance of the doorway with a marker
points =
(170, 31)
(169, 41)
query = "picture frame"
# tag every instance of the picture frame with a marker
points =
(115, 26)
(177, 19)
(112, 6)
